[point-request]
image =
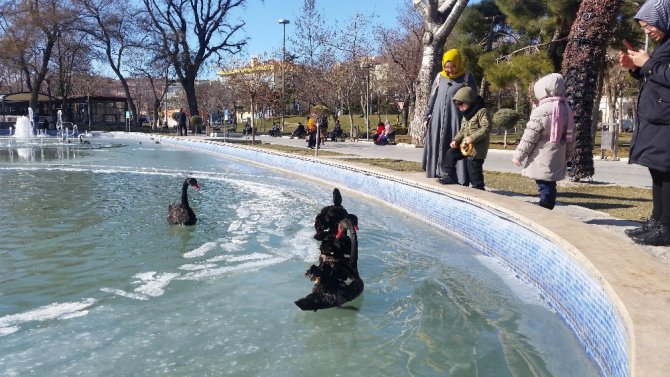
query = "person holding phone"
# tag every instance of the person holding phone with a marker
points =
(650, 145)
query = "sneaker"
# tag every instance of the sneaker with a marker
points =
(649, 225)
(448, 180)
(658, 236)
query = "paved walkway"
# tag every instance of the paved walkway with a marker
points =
(606, 171)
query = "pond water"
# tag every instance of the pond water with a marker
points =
(93, 280)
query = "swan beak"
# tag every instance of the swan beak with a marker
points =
(196, 187)
(339, 234)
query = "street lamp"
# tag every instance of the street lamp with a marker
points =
(88, 102)
(283, 22)
(367, 100)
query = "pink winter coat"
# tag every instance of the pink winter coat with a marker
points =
(540, 158)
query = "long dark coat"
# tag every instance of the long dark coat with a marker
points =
(444, 123)
(650, 145)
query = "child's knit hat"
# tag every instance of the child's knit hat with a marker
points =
(465, 95)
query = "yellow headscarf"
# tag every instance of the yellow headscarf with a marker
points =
(455, 57)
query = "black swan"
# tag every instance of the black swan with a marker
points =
(336, 279)
(181, 213)
(326, 221)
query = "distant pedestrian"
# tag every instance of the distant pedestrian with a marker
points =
(548, 142)
(181, 125)
(322, 125)
(311, 133)
(355, 131)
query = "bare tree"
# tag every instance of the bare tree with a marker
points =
(113, 29)
(10, 77)
(401, 48)
(439, 18)
(152, 70)
(71, 59)
(253, 86)
(30, 30)
(312, 43)
(346, 78)
(190, 32)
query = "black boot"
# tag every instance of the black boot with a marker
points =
(649, 225)
(658, 236)
(546, 205)
(448, 179)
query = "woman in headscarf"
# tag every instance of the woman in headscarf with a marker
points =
(311, 132)
(444, 119)
(650, 145)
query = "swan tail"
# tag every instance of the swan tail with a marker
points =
(337, 198)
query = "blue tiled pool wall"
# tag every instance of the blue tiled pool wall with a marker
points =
(576, 295)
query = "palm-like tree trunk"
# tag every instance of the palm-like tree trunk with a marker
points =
(582, 65)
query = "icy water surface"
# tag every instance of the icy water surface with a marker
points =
(93, 281)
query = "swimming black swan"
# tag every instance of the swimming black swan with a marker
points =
(181, 213)
(336, 278)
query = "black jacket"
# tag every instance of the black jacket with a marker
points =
(650, 145)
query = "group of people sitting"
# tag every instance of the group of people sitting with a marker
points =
(316, 132)
(385, 134)
(274, 131)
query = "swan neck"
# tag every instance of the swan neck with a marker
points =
(184, 194)
(354, 247)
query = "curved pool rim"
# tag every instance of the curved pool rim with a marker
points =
(613, 296)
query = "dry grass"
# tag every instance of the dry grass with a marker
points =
(630, 203)
(296, 150)
(396, 165)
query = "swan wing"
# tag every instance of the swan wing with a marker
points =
(177, 214)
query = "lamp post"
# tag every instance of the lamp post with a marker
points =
(367, 101)
(283, 22)
(88, 102)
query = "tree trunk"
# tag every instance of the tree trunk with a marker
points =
(188, 84)
(439, 20)
(585, 50)
(417, 128)
(155, 111)
(131, 102)
(405, 111)
(36, 85)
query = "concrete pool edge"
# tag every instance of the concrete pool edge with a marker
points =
(635, 285)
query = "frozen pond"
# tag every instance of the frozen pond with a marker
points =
(93, 280)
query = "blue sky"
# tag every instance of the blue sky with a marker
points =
(265, 33)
